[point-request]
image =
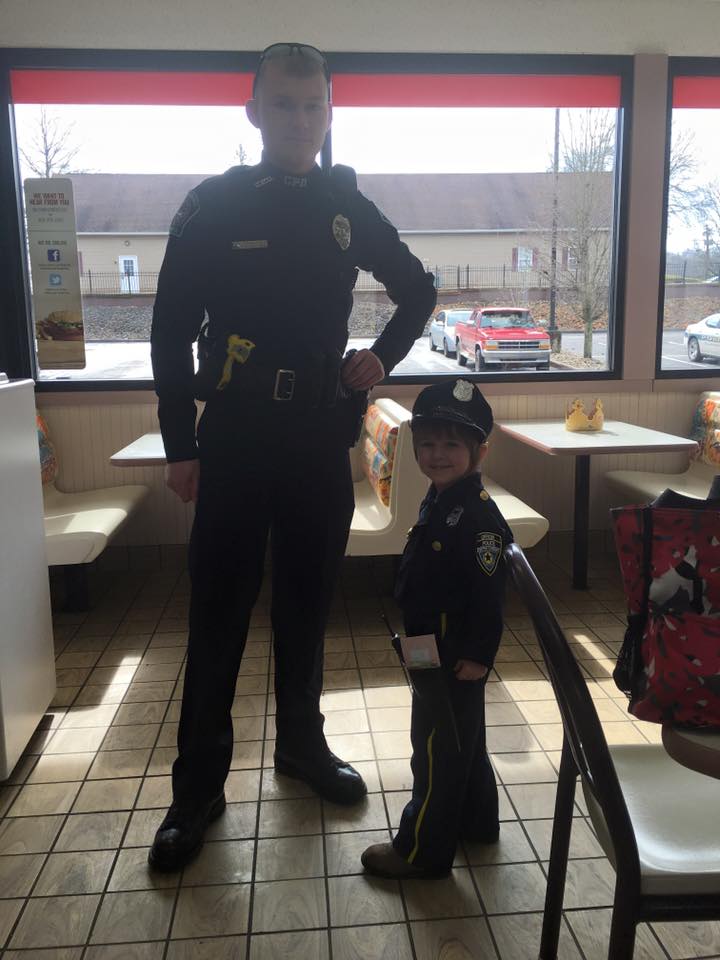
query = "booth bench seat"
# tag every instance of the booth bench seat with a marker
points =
(378, 530)
(78, 526)
(641, 486)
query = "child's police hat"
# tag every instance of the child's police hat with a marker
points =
(454, 401)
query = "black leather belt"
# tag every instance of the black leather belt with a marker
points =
(314, 385)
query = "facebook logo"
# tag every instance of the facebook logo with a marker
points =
(53, 255)
(55, 280)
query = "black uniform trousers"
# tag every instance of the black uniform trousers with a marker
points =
(454, 791)
(264, 469)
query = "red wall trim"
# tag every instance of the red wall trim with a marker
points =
(696, 92)
(130, 87)
(475, 90)
(349, 90)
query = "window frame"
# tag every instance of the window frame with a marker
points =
(17, 349)
(677, 67)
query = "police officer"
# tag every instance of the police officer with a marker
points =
(451, 586)
(270, 253)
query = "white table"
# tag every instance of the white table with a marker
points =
(698, 750)
(551, 437)
(146, 451)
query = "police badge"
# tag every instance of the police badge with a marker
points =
(341, 231)
(488, 547)
(463, 390)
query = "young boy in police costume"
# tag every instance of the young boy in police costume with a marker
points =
(451, 584)
(271, 254)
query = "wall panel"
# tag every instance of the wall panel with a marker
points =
(86, 434)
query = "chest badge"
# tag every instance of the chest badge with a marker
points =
(488, 547)
(452, 518)
(341, 231)
(436, 545)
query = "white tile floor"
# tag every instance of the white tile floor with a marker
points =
(280, 875)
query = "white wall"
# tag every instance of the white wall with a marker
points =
(690, 28)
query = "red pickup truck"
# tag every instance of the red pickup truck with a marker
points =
(497, 336)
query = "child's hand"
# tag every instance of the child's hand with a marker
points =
(470, 670)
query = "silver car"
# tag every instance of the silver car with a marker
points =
(442, 330)
(702, 339)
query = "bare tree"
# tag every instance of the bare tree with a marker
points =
(584, 213)
(240, 155)
(50, 151)
(588, 143)
(685, 199)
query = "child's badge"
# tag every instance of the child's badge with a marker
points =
(463, 390)
(341, 231)
(488, 547)
(454, 515)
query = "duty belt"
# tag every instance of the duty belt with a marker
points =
(313, 385)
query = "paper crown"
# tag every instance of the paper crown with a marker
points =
(576, 419)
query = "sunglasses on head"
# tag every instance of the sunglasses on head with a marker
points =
(276, 50)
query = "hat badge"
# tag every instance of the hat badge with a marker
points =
(463, 390)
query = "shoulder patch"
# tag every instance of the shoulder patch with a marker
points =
(488, 548)
(187, 211)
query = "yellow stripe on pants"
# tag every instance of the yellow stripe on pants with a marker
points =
(419, 820)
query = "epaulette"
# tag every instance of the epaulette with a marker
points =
(344, 178)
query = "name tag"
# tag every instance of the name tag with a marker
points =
(249, 244)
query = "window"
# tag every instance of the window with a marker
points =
(496, 179)
(524, 258)
(691, 282)
(130, 146)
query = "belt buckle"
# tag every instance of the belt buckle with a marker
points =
(284, 385)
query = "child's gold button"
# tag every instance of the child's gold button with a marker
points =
(436, 545)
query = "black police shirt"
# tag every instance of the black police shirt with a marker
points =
(273, 259)
(451, 579)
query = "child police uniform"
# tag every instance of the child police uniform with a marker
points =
(451, 583)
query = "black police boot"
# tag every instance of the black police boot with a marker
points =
(180, 836)
(329, 776)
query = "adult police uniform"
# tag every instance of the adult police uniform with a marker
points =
(451, 583)
(271, 259)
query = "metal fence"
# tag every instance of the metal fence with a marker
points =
(99, 284)
(469, 276)
(690, 269)
(447, 277)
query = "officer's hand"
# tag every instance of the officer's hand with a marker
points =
(183, 478)
(470, 670)
(362, 370)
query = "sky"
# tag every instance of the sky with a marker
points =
(205, 140)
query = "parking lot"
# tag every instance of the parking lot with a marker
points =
(130, 360)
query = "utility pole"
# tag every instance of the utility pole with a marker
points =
(707, 237)
(552, 321)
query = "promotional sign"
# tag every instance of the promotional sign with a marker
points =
(52, 243)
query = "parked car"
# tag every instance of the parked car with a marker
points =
(500, 336)
(442, 330)
(702, 339)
